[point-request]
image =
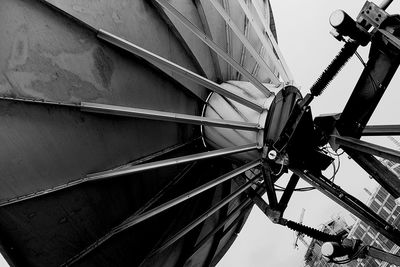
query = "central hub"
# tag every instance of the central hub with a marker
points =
(219, 107)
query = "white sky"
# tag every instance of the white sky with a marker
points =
(303, 35)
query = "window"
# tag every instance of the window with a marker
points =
(390, 204)
(375, 206)
(358, 233)
(384, 213)
(389, 163)
(367, 239)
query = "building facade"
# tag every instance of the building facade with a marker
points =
(313, 256)
(386, 207)
(381, 202)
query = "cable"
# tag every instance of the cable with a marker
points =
(374, 83)
(280, 171)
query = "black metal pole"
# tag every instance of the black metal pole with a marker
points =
(350, 203)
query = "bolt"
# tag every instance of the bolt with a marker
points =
(272, 154)
(341, 195)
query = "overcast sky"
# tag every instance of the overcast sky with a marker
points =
(303, 35)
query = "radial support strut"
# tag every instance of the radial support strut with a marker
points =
(170, 162)
(246, 43)
(138, 218)
(365, 147)
(386, 178)
(283, 69)
(239, 209)
(269, 185)
(350, 203)
(165, 116)
(287, 194)
(203, 217)
(204, 38)
(381, 130)
(82, 180)
(276, 48)
(153, 58)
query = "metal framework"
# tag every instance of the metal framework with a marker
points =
(147, 214)
(203, 217)
(280, 64)
(166, 116)
(169, 162)
(204, 38)
(344, 132)
(246, 43)
(124, 44)
(381, 130)
(271, 37)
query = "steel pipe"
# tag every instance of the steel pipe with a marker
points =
(204, 38)
(288, 192)
(385, 4)
(283, 69)
(170, 162)
(350, 203)
(383, 255)
(84, 179)
(246, 43)
(148, 214)
(165, 116)
(267, 29)
(141, 52)
(381, 130)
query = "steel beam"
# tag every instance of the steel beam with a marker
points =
(381, 130)
(166, 116)
(383, 255)
(387, 179)
(391, 38)
(203, 217)
(169, 162)
(375, 78)
(204, 38)
(365, 147)
(153, 58)
(350, 203)
(288, 192)
(142, 216)
(273, 214)
(246, 43)
(282, 67)
(269, 185)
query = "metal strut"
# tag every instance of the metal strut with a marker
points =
(311, 232)
(334, 67)
(275, 216)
